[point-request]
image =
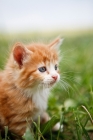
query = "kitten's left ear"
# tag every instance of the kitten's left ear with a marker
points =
(56, 44)
(21, 54)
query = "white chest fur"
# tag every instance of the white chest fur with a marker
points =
(40, 98)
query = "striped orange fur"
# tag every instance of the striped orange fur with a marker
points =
(24, 88)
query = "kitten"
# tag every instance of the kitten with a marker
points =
(29, 74)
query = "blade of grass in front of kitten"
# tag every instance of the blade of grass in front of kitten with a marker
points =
(28, 135)
(6, 132)
(61, 121)
(49, 125)
(38, 132)
(0, 136)
(39, 127)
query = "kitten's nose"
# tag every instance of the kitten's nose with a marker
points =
(54, 77)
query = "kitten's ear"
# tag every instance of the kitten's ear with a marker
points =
(20, 53)
(56, 44)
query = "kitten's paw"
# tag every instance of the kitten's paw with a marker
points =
(57, 127)
(45, 118)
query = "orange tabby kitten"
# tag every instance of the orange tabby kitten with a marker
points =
(25, 83)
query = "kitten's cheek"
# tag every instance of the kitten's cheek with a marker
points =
(58, 78)
(58, 72)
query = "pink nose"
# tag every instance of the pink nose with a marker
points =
(55, 77)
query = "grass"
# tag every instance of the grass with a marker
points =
(70, 102)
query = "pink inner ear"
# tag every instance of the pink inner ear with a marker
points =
(19, 53)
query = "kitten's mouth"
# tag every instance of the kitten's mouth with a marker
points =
(52, 83)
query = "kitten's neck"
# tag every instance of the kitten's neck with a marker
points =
(39, 97)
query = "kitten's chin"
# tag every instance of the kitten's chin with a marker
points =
(51, 84)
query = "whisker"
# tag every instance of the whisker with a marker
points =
(72, 72)
(70, 79)
(68, 51)
(68, 85)
(63, 86)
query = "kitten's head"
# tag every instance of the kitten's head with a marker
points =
(35, 64)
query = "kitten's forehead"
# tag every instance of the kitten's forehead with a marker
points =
(48, 64)
(51, 63)
(44, 54)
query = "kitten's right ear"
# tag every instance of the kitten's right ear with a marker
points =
(20, 53)
(56, 44)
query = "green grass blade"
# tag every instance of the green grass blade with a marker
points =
(6, 132)
(61, 121)
(38, 132)
(49, 125)
(85, 132)
(0, 136)
(28, 135)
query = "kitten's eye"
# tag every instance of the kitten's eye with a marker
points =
(55, 67)
(42, 69)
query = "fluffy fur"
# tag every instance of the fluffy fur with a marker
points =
(24, 89)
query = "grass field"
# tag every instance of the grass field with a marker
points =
(71, 101)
